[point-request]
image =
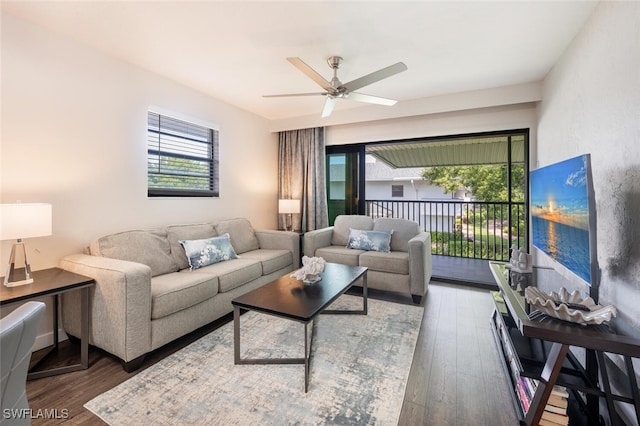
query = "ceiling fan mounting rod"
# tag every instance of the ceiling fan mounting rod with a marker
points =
(334, 62)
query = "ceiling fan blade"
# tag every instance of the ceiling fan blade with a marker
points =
(295, 94)
(328, 106)
(375, 76)
(361, 97)
(311, 73)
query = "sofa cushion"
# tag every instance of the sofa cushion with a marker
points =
(148, 247)
(243, 238)
(343, 225)
(174, 292)
(175, 233)
(272, 260)
(403, 231)
(395, 262)
(369, 240)
(339, 254)
(233, 273)
(208, 251)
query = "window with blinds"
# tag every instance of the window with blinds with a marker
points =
(182, 158)
(397, 190)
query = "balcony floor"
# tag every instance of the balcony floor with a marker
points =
(460, 270)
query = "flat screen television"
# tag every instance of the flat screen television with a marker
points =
(563, 217)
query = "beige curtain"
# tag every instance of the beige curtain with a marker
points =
(301, 165)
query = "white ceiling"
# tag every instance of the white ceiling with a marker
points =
(236, 51)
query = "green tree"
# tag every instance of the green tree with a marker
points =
(178, 173)
(486, 182)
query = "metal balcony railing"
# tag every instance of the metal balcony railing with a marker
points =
(469, 229)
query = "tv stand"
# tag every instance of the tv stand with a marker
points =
(538, 348)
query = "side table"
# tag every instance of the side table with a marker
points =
(549, 368)
(53, 282)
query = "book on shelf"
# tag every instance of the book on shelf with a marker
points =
(561, 419)
(553, 409)
(560, 391)
(530, 386)
(544, 422)
(557, 401)
(555, 412)
(525, 401)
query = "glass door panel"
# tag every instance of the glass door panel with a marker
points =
(342, 184)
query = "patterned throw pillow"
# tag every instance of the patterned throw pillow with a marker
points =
(369, 240)
(208, 251)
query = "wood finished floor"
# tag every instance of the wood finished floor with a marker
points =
(455, 379)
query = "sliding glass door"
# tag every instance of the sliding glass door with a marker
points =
(345, 180)
(470, 190)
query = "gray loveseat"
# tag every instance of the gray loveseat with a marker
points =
(146, 295)
(406, 268)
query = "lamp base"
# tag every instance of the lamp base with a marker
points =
(17, 283)
(288, 222)
(10, 279)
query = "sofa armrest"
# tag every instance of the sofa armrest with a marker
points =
(420, 263)
(119, 304)
(313, 240)
(283, 240)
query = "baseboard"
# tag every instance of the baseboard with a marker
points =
(45, 340)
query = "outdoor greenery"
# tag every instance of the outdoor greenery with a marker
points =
(481, 247)
(485, 182)
(483, 230)
(178, 173)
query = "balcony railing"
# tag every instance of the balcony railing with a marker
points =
(470, 229)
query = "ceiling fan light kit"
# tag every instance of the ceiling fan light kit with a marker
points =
(335, 89)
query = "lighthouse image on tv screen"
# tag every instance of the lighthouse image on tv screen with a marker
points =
(560, 198)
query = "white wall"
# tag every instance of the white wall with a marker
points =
(74, 135)
(591, 104)
(418, 190)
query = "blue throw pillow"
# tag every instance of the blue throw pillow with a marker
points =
(208, 251)
(369, 240)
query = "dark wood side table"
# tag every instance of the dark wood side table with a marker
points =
(53, 282)
(596, 340)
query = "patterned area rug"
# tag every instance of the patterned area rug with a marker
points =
(358, 374)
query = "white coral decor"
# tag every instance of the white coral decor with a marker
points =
(311, 270)
(556, 305)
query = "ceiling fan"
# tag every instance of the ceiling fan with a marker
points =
(335, 89)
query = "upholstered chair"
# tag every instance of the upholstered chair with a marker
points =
(18, 332)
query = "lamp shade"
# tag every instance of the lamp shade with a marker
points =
(24, 220)
(289, 206)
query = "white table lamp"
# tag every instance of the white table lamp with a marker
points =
(19, 221)
(288, 207)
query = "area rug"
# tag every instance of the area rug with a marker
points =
(358, 374)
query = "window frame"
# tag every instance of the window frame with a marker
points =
(395, 188)
(212, 160)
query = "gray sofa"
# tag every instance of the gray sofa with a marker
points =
(146, 295)
(406, 268)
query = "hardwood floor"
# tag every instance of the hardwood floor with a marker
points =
(456, 377)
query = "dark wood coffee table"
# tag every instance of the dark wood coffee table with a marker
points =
(290, 298)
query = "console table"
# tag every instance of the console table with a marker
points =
(53, 282)
(546, 356)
